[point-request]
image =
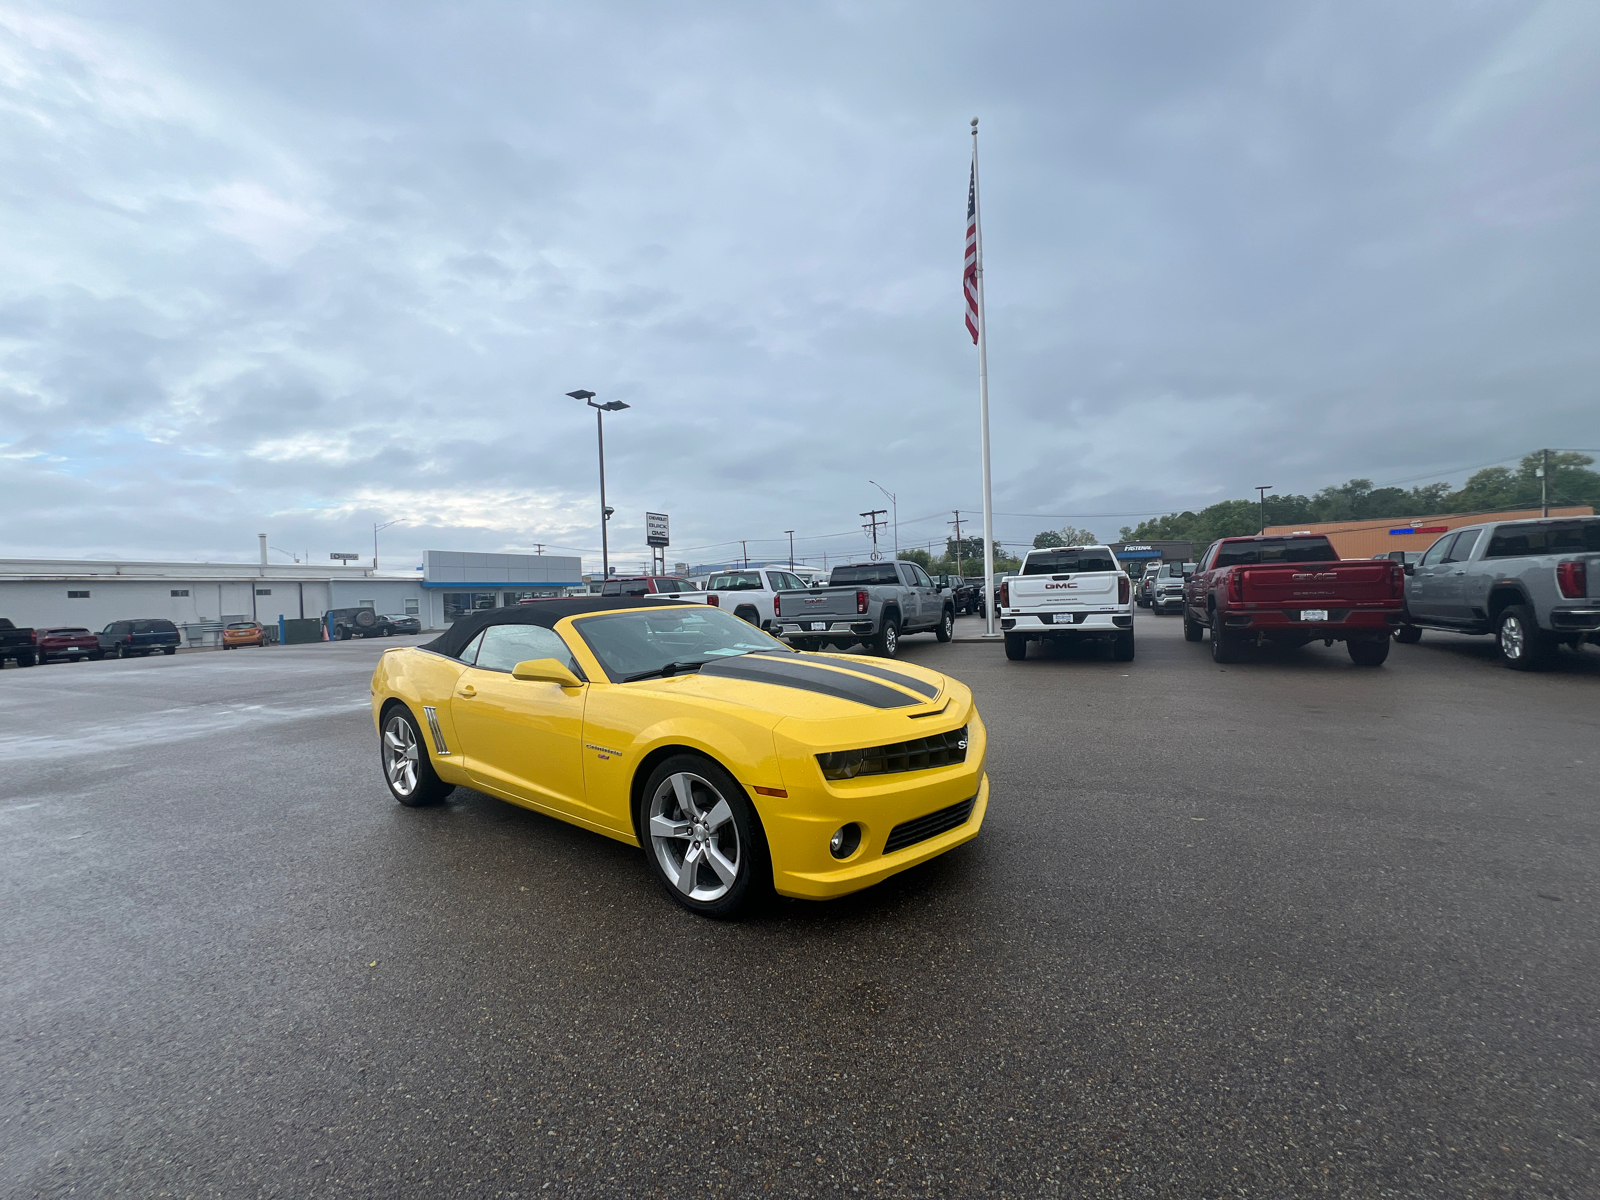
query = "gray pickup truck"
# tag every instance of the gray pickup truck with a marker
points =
(1534, 584)
(870, 603)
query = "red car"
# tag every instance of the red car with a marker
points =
(647, 585)
(70, 644)
(1292, 590)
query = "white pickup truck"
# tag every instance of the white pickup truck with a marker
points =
(1068, 593)
(751, 593)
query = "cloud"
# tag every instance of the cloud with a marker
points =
(288, 268)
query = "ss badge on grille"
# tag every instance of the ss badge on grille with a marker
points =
(962, 744)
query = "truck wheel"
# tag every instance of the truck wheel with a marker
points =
(887, 643)
(1368, 653)
(170, 650)
(1523, 645)
(1122, 648)
(1408, 635)
(947, 626)
(1016, 647)
(25, 660)
(1192, 629)
(1223, 648)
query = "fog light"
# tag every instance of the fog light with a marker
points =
(844, 841)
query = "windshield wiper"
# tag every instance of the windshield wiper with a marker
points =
(671, 668)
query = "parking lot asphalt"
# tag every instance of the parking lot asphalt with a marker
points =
(1286, 927)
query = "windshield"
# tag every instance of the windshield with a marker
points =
(646, 640)
(67, 632)
(1574, 537)
(241, 625)
(1276, 550)
(1061, 562)
(736, 581)
(866, 573)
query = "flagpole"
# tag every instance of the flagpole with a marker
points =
(990, 592)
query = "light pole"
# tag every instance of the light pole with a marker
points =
(375, 529)
(1261, 490)
(790, 532)
(600, 432)
(894, 504)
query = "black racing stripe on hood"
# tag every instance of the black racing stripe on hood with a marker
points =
(921, 687)
(807, 677)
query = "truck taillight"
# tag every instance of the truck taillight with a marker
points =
(713, 601)
(1397, 581)
(1005, 595)
(1573, 579)
(1123, 587)
(861, 602)
(775, 611)
(1236, 585)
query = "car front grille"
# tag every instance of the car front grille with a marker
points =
(909, 833)
(936, 750)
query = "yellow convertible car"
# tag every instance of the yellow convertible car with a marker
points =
(738, 764)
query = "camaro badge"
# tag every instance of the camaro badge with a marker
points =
(602, 750)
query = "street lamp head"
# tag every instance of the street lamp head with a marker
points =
(581, 394)
(614, 406)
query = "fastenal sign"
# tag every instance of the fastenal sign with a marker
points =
(655, 529)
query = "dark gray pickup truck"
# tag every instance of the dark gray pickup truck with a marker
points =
(867, 603)
(1534, 584)
(18, 644)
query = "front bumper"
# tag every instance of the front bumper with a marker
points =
(799, 826)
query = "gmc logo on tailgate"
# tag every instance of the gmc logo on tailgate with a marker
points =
(1048, 586)
(1318, 575)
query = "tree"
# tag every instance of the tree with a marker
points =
(1047, 539)
(923, 559)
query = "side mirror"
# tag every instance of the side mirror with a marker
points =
(1410, 568)
(1188, 575)
(545, 670)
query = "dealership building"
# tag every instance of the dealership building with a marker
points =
(201, 597)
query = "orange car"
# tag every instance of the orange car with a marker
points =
(243, 633)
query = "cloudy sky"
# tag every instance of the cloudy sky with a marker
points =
(300, 268)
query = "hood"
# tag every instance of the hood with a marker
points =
(809, 686)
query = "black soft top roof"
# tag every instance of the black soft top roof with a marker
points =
(541, 612)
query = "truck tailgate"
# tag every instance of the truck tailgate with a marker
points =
(1319, 585)
(819, 604)
(1062, 593)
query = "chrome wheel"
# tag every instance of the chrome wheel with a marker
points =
(1513, 640)
(694, 836)
(400, 753)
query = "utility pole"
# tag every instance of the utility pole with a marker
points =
(957, 524)
(538, 547)
(1261, 490)
(872, 516)
(1544, 484)
(790, 532)
(896, 505)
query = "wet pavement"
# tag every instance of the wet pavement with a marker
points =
(1287, 927)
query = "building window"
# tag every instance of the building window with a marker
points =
(263, 591)
(413, 608)
(459, 604)
(180, 591)
(77, 595)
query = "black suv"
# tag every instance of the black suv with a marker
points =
(346, 623)
(125, 639)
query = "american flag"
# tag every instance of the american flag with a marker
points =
(969, 278)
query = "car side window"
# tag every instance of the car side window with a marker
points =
(1437, 551)
(504, 646)
(1462, 550)
(471, 652)
(920, 577)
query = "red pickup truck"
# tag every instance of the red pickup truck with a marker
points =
(1292, 590)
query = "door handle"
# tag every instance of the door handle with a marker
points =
(469, 692)
(1460, 572)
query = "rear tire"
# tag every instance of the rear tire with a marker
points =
(947, 625)
(1122, 648)
(407, 768)
(690, 806)
(887, 643)
(1016, 647)
(1193, 631)
(1408, 635)
(1523, 645)
(1223, 648)
(1368, 653)
(170, 650)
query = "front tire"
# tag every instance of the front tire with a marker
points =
(407, 769)
(887, 643)
(947, 626)
(1193, 631)
(702, 838)
(1408, 635)
(1523, 645)
(1368, 653)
